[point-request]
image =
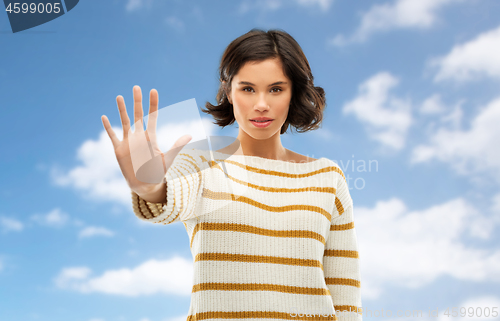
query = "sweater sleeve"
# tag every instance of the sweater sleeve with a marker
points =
(341, 259)
(184, 181)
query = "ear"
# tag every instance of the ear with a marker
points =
(228, 94)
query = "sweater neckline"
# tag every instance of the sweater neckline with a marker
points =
(270, 161)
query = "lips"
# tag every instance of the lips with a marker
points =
(261, 124)
(261, 119)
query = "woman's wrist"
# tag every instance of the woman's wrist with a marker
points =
(154, 193)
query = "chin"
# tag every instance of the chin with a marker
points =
(259, 134)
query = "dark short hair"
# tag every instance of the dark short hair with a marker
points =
(307, 101)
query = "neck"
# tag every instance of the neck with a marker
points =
(270, 148)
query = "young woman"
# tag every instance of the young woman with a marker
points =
(272, 234)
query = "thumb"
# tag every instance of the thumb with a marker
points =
(169, 156)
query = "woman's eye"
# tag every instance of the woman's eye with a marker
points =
(272, 90)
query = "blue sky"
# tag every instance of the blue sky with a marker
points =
(411, 85)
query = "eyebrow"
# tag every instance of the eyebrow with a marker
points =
(273, 84)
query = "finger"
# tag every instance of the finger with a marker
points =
(153, 111)
(122, 109)
(169, 156)
(109, 130)
(138, 112)
(181, 142)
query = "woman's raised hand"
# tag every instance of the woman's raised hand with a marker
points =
(136, 147)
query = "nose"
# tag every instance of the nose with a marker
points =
(261, 104)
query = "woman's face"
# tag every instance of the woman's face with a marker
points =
(261, 89)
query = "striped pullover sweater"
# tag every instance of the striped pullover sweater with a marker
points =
(270, 239)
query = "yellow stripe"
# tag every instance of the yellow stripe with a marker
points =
(292, 315)
(149, 208)
(256, 259)
(342, 253)
(340, 208)
(342, 227)
(343, 281)
(198, 171)
(282, 174)
(330, 190)
(258, 287)
(348, 308)
(180, 210)
(187, 183)
(203, 226)
(139, 206)
(182, 203)
(231, 197)
(171, 212)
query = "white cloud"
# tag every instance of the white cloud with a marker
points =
(467, 151)
(386, 117)
(10, 224)
(481, 305)
(322, 4)
(55, 218)
(414, 14)
(271, 5)
(437, 114)
(134, 5)
(99, 176)
(404, 248)
(454, 117)
(175, 23)
(173, 276)
(91, 231)
(74, 274)
(496, 203)
(197, 12)
(180, 318)
(471, 60)
(432, 105)
(262, 5)
(325, 133)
